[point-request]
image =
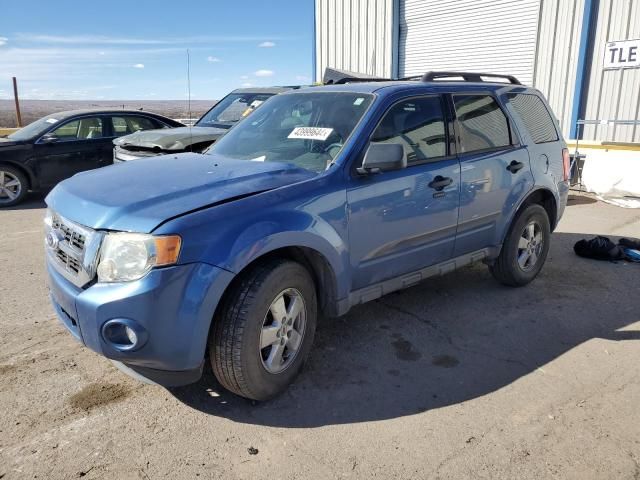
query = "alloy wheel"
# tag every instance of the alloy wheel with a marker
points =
(282, 331)
(530, 246)
(10, 187)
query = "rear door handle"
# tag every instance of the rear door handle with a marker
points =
(440, 182)
(515, 166)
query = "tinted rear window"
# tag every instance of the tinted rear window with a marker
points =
(483, 125)
(535, 117)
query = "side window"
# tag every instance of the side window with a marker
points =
(418, 125)
(119, 126)
(141, 123)
(482, 124)
(535, 117)
(83, 129)
(130, 124)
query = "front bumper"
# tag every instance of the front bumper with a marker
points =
(172, 306)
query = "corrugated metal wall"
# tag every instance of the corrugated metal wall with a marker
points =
(557, 55)
(614, 94)
(354, 35)
(497, 36)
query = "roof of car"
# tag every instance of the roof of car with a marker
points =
(391, 86)
(100, 111)
(268, 90)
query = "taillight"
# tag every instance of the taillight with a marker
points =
(566, 164)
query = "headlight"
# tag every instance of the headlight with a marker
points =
(129, 256)
(48, 218)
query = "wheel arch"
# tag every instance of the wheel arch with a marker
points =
(543, 197)
(319, 267)
(547, 200)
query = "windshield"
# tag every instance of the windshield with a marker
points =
(34, 129)
(231, 109)
(304, 129)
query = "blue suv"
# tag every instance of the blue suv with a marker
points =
(323, 199)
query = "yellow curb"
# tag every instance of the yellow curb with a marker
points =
(631, 147)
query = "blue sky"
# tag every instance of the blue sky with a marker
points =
(136, 49)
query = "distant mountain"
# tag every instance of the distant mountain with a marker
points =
(34, 109)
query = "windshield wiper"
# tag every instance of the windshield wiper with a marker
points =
(226, 126)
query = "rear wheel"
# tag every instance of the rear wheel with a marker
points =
(525, 249)
(13, 186)
(265, 329)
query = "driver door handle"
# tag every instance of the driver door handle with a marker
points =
(515, 166)
(440, 182)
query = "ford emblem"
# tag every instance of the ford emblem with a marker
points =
(52, 240)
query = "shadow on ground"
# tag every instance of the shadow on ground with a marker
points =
(448, 340)
(580, 200)
(32, 201)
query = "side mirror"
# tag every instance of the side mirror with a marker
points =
(381, 157)
(48, 138)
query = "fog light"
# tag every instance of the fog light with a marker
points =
(131, 335)
(124, 334)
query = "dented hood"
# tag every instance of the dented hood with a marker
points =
(138, 196)
(168, 139)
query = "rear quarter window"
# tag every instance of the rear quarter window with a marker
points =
(535, 116)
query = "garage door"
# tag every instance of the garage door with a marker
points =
(492, 36)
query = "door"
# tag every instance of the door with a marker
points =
(401, 221)
(73, 147)
(494, 168)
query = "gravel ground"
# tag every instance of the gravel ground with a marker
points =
(455, 378)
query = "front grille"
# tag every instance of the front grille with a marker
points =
(71, 264)
(73, 238)
(73, 249)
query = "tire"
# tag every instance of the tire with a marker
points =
(521, 260)
(13, 186)
(247, 320)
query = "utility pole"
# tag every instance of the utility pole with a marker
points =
(15, 96)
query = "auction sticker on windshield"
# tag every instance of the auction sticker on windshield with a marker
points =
(310, 133)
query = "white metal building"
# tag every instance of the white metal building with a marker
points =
(565, 48)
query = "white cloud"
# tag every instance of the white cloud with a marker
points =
(244, 77)
(303, 78)
(247, 84)
(267, 45)
(3, 41)
(213, 59)
(138, 65)
(263, 73)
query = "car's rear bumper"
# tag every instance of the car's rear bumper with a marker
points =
(170, 311)
(563, 194)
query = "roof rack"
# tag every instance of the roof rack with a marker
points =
(466, 76)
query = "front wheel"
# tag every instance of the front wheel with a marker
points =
(13, 186)
(525, 249)
(265, 329)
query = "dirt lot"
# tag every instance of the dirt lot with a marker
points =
(456, 378)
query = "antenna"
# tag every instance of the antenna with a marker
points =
(189, 98)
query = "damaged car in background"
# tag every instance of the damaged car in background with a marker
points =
(216, 122)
